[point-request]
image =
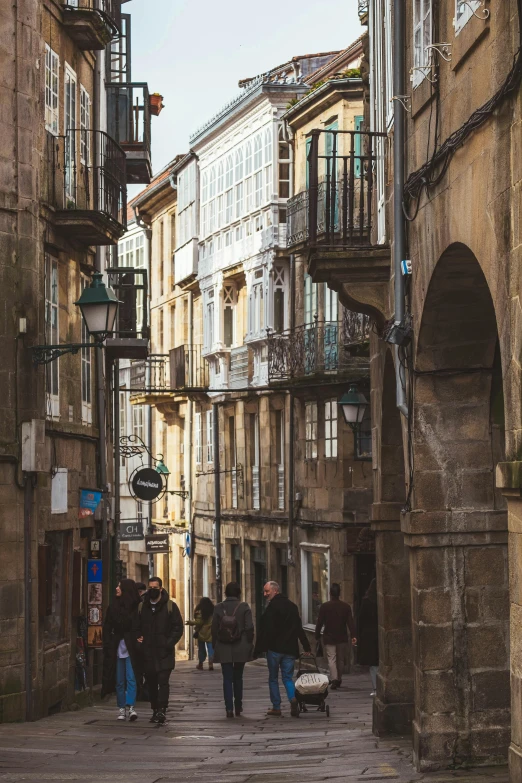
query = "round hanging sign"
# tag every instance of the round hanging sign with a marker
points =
(146, 484)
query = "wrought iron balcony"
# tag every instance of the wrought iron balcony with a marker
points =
(84, 182)
(128, 121)
(322, 347)
(130, 339)
(363, 11)
(188, 368)
(336, 209)
(91, 24)
(151, 375)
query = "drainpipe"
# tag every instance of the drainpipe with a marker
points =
(291, 429)
(188, 473)
(217, 502)
(399, 244)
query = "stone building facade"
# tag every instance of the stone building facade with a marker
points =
(446, 405)
(57, 228)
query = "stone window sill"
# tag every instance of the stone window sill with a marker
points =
(467, 39)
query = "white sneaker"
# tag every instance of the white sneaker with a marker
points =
(133, 715)
(373, 693)
(122, 714)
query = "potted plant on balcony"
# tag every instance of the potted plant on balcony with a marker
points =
(155, 103)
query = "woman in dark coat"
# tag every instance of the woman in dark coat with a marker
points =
(120, 659)
(368, 633)
(232, 655)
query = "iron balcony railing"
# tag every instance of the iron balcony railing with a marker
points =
(86, 170)
(336, 208)
(131, 287)
(188, 368)
(150, 374)
(128, 119)
(363, 10)
(108, 10)
(314, 348)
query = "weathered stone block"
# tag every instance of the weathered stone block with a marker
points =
(486, 648)
(433, 606)
(491, 690)
(486, 566)
(429, 566)
(435, 645)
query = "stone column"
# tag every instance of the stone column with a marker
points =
(508, 480)
(393, 705)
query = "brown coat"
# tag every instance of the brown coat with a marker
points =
(336, 617)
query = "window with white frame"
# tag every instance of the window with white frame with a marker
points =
(268, 145)
(220, 178)
(310, 430)
(209, 320)
(239, 200)
(258, 152)
(204, 188)
(310, 300)
(422, 27)
(248, 159)
(210, 438)
(70, 137)
(278, 285)
(268, 183)
(86, 361)
(52, 333)
(331, 305)
(258, 189)
(199, 440)
(464, 12)
(229, 302)
(85, 126)
(229, 172)
(137, 421)
(330, 429)
(280, 457)
(254, 460)
(248, 192)
(52, 82)
(283, 166)
(239, 165)
(219, 211)
(315, 586)
(256, 310)
(212, 183)
(228, 206)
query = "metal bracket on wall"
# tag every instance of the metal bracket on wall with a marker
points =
(472, 8)
(442, 49)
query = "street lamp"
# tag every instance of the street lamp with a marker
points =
(354, 405)
(162, 468)
(99, 306)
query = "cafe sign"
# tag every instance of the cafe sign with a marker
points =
(146, 484)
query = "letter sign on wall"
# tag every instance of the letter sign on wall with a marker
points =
(146, 484)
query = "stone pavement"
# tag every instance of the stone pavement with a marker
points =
(200, 743)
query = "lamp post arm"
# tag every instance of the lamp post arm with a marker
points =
(44, 354)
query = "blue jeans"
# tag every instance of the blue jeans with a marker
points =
(233, 685)
(203, 648)
(125, 683)
(286, 663)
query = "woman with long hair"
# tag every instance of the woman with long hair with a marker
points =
(202, 623)
(120, 660)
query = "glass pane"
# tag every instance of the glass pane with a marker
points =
(317, 583)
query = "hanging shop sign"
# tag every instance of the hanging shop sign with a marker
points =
(157, 543)
(146, 484)
(131, 530)
(89, 501)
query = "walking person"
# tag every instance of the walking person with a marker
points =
(281, 632)
(202, 624)
(159, 629)
(121, 669)
(335, 616)
(368, 651)
(232, 638)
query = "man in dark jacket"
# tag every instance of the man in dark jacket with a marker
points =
(160, 627)
(281, 632)
(336, 618)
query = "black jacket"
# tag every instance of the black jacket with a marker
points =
(281, 628)
(161, 630)
(118, 624)
(368, 634)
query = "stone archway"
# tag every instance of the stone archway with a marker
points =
(457, 530)
(393, 705)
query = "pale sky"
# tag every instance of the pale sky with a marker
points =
(194, 53)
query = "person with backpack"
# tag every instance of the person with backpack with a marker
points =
(232, 639)
(281, 632)
(202, 623)
(159, 629)
(121, 669)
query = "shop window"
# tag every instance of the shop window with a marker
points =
(210, 437)
(311, 430)
(315, 575)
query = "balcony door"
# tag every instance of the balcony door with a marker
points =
(310, 322)
(70, 136)
(331, 200)
(331, 329)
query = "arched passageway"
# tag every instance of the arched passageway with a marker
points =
(457, 531)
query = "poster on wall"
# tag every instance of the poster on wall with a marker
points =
(89, 502)
(95, 594)
(95, 615)
(94, 636)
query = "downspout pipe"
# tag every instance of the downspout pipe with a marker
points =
(217, 502)
(399, 232)
(291, 430)
(188, 442)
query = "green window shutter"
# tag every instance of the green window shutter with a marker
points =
(308, 145)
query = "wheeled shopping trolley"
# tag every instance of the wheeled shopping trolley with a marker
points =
(311, 688)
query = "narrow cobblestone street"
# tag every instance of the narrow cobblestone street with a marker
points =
(199, 743)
